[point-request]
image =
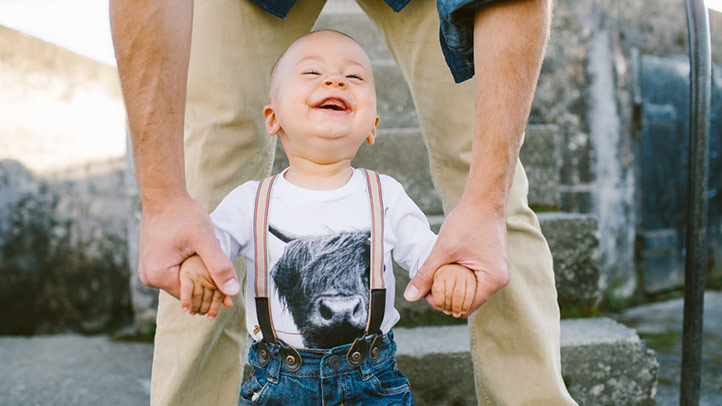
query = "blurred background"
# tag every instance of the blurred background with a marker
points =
(605, 151)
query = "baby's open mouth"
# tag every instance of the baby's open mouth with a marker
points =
(333, 104)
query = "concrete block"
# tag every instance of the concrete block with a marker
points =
(603, 363)
(63, 262)
(347, 17)
(541, 157)
(395, 104)
(438, 364)
(573, 240)
(577, 198)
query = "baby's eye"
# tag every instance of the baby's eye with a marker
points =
(310, 72)
(353, 76)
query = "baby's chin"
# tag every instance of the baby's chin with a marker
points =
(331, 131)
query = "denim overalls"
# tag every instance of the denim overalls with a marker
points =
(361, 373)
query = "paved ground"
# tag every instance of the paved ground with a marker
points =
(64, 370)
(660, 325)
(75, 370)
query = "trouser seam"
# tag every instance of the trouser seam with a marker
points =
(481, 393)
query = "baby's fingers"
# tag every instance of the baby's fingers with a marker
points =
(450, 292)
(459, 297)
(186, 291)
(206, 301)
(196, 299)
(218, 297)
(468, 297)
(438, 291)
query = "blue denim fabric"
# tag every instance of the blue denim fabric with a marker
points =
(325, 378)
(280, 8)
(457, 34)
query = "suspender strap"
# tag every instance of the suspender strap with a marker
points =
(260, 231)
(377, 293)
(373, 183)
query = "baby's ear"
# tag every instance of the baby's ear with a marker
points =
(372, 138)
(272, 124)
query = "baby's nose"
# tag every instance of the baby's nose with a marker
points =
(335, 81)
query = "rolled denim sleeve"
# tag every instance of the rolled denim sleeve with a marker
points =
(457, 34)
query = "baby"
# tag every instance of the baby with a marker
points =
(319, 239)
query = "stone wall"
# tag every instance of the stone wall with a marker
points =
(63, 199)
(586, 88)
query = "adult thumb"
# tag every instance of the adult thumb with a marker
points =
(220, 267)
(420, 284)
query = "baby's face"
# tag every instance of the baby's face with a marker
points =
(323, 100)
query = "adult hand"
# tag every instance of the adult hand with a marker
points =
(174, 231)
(473, 236)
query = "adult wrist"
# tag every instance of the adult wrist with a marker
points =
(484, 204)
(157, 199)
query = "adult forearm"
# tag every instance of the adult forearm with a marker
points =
(509, 43)
(152, 49)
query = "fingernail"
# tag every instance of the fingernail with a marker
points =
(411, 293)
(231, 287)
(211, 317)
(185, 309)
(446, 312)
(457, 315)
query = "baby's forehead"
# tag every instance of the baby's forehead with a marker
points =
(318, 45)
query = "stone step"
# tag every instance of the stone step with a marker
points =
(603, 363)
(395, 105)
(573, 242)
(541, 156)
(540, 144)
(346, 16)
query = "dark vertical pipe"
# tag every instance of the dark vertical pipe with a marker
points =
(696, 248)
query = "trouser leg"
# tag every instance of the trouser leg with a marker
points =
(235, 43)
(514, 336)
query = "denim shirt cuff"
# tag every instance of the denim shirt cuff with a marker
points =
(457, 35)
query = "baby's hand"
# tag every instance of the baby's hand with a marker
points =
(453, 289)
(199, 294)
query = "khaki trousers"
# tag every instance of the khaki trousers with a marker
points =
(514, 336)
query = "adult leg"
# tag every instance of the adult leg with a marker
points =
(515, 335)
(235, 43)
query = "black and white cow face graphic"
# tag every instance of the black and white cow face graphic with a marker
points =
(324, 282)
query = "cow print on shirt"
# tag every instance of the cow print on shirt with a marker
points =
(324, 282)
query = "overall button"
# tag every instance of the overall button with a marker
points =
(334, 361)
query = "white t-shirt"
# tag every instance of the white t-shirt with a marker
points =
(319, 263)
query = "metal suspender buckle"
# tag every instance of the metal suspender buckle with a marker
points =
(357, 353)
(290, 357)
(375, 348)
(263, 357)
